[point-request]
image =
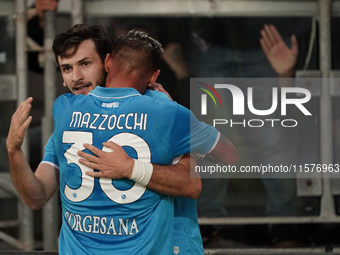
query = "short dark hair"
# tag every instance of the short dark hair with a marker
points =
(138, 49)
(73, 37)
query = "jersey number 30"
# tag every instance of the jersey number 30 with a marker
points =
(78, 138)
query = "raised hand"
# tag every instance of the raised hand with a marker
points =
(19, 124)
(281, 58)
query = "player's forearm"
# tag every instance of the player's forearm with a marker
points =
(175, 180)
(224, 152)
(172, 180)
(27, 184)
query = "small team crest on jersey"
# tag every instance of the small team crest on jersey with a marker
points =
(111, 105)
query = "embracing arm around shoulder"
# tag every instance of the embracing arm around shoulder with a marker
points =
(176, 180)
(172, 180)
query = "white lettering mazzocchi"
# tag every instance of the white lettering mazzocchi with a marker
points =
(104, 121)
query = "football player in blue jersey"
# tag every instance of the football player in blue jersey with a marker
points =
(77, 82)
(120, 215)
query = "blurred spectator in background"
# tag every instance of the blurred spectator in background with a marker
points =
(281, 193)
(281, 58)
(234, 52)
(35, 28)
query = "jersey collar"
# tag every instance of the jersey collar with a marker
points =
(114, 92)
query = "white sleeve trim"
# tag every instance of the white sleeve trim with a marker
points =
(211, 149)
(176, 160)
(50, 163)
(215, 143)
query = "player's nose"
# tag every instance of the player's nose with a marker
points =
(77, 75)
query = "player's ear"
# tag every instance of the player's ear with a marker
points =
(64, 84)
(154, 76)
(108, 62)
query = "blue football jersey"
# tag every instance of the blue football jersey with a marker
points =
(50, 155)
(187, 234)
(102, 215)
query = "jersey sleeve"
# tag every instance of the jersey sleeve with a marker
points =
(189, 135)
(50, 155)
(203, 137)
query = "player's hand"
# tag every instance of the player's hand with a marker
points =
(19, 123)
(45, 5)
(281, 58)
(159, 87)
(115, 164)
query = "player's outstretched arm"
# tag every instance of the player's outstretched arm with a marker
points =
(172, 180)
(224, 152)
(175, 180)
(33, 191)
